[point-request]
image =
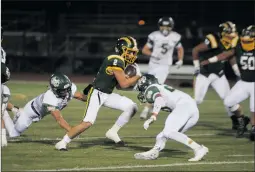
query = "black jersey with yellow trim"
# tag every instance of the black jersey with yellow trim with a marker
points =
(105, 80)
(216, 46)
(246, 63)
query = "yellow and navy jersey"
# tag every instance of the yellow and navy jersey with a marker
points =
(105, 80)
(215, 46)
(246, 63)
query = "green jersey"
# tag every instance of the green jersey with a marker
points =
(105, 80)
(246, 63)
(216, 46)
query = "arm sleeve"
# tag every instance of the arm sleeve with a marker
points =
(74, 89)
(150, 41)
(178, 44)
(50, 102)
(158, 104)
(211, 41)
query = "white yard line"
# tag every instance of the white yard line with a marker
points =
(240, 155)
(87, 138)
(149, 166)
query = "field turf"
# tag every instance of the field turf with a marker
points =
(34, 150)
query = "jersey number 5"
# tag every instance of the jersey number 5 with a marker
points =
(164, 48)
(248, 62)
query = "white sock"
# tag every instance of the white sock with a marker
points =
(67, 139)
(3, 131)
(9, 125)
(115, 128)
(160, 142)
(146, 109)
(182, 138)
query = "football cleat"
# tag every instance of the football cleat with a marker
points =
(149, 155)
(61, 145)
(199, 153)
(112, 135)
(243, 121)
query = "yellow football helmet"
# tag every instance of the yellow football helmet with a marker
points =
(127, 48)
(228, 33)
(248, 38)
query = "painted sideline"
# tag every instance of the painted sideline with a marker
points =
(148, 166)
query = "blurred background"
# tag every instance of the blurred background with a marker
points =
(75, 36)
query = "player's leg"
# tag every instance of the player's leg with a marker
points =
(180, 119)
(5, 95)
(94, 102)
(129, 109)
(200, 88)
(161, 73)
(221, 86)
(237, 94)
(252, 100)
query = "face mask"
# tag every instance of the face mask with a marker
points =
(165, 32)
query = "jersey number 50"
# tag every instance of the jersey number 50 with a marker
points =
(248, 62)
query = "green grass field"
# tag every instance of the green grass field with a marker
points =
(34, 150)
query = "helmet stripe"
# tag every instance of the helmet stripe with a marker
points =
(126, 39)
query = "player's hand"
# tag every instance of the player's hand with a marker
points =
(205, 62)
(138, 71)
(149, 121)
(179, 63)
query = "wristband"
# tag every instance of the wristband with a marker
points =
(213, 59)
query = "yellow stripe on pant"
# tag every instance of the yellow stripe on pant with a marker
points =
(88, 101)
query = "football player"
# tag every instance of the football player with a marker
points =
(160, 47)
(213, 74)
(184, 115)
(5, 95)
(61, 91)
(244, 55)
(110, 74)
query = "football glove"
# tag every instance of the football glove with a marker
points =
(179, 63)
(149, 121)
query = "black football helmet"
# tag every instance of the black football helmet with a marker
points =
(143, 83)
(5, 73)
(127, 48)
(248, 38)
(165, 24)
(228, 32)
(60, 85)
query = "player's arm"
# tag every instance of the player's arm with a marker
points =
(124, 81)
(180, 53)
(209, 43)
(58, 117)
(220, 57)
(148, 46)
(79, 96)
(234, 65)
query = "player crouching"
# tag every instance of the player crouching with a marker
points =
(184, 115)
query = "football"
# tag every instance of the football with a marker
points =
(130, 70)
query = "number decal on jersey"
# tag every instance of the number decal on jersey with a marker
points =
(115, 61)
(247, 62)
(164, 48)
(171, 89)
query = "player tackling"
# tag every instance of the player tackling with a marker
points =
(184, 115)
(61, 91)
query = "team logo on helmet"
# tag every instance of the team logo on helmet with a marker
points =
(55, 81)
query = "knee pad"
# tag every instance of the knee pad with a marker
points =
(198, 101)
(132, 108)
(169, 134)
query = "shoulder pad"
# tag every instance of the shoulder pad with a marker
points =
(115, 61)
(213, 40)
